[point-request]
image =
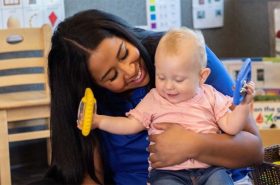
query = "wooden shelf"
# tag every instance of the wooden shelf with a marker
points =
(270, 136)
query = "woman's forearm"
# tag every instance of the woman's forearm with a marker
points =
(236, 151)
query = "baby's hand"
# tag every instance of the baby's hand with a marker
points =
(79, 124)
(94, 122)
(250, 92)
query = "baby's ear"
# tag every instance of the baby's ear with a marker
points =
(204, 73)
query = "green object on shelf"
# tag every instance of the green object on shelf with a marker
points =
(272, 59)
(267, 98)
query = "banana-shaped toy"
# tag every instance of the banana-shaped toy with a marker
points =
(87, 109)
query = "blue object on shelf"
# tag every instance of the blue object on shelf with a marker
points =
(243, 77)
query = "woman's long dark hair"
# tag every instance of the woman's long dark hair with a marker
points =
(72, 154)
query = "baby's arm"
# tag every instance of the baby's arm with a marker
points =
(118, 125)
(233, 122)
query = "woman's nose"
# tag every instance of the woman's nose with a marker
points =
(128, 69)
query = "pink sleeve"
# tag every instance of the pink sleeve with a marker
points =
(221, 104)
(143, 111)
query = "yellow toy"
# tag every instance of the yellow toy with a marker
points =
(86, 110)
(276, 162)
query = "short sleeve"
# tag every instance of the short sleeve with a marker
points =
(144, 110)
(221, 104)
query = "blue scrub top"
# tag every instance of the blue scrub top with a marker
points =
(125, 156)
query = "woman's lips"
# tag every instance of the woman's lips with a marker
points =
(140, 75)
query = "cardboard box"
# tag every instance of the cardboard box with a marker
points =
(267, 117)
(270, 136)
(267, 114)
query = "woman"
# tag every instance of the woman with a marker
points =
(99, 50)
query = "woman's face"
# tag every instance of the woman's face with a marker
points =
(117, 66)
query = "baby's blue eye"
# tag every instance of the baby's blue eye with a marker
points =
(160, 77)
(179, 80)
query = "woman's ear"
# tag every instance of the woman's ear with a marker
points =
(204, 73)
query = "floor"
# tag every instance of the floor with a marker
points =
(25, 175)
(28, 161)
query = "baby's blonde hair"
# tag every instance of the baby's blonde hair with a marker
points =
(172, 42)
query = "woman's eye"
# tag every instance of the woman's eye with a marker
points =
(124, 55)
(114, 76)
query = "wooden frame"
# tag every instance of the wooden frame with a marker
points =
(271, 6)
(23, 105)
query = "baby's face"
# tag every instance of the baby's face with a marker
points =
(177, 76)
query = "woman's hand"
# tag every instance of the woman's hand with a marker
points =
(173, 146)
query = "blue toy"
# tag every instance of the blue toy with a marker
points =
(243, 77)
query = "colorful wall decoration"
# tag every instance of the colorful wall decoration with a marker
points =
(163, 14)
(30, 13)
